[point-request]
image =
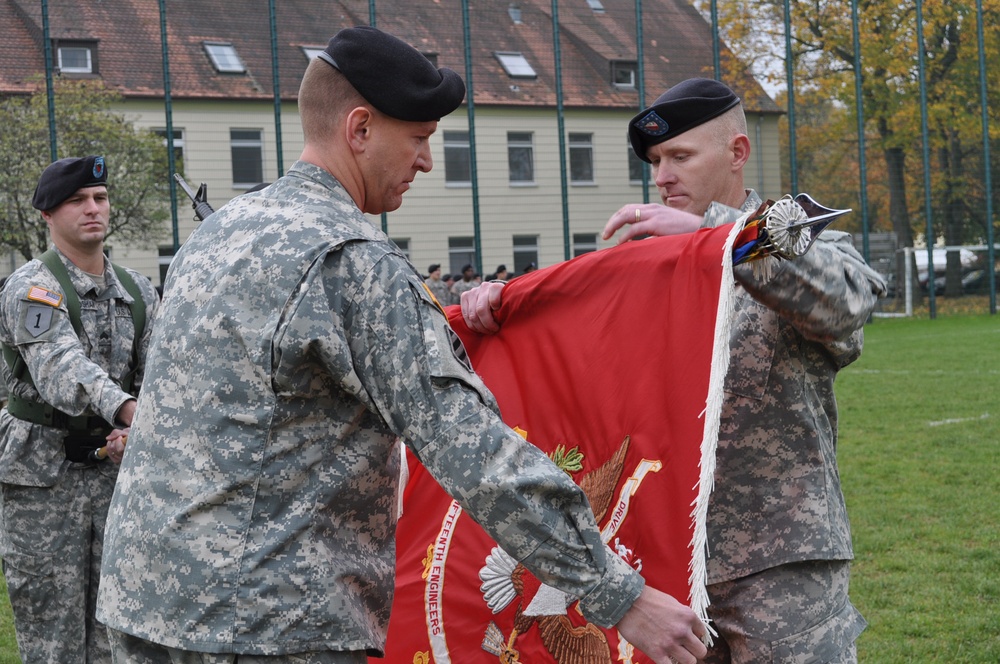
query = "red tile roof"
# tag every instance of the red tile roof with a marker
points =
(677, 45)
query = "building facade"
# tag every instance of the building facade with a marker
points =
(502, 190)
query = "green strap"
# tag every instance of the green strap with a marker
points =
(138, 308)
(42, 413)
(58, 270)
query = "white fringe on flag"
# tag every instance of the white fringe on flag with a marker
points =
(698, 601)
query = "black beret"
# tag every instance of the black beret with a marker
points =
(62, 178)
(433, 268)
(682, 107)
(393, 76)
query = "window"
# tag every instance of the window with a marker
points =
(521, 157)
(312, 51)
(584, 243)
(623, 73)
(581, 158)
(525, 252)
(224, 57)
(247, 150)
(178, 146)
(461, 252)
(635, 167)
(516, 65)
(457, 158)
(596, 5)
(77, 59)
(432, 58)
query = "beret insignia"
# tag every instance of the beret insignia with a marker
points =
(653, 124)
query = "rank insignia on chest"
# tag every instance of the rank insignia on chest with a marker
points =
(45, 296)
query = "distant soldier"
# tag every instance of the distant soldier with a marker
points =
(439, 289)
(74, 335)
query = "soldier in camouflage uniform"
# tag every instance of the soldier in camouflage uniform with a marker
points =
(439, 289)
(67, 389)
(255, 514)
(779, 541)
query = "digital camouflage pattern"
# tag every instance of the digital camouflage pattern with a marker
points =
(777, 496)
(52, 511)
(257, 500)
(817, 621)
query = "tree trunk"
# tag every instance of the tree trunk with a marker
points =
(895, 163)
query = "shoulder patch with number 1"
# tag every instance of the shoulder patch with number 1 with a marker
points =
(38, 319)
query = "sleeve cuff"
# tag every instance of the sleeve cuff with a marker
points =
(112, 404)
(614, 594)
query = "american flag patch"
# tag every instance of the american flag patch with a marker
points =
(45, 296)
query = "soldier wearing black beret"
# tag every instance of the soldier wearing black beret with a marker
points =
(297, 347)
(73, 326)
(778, 536)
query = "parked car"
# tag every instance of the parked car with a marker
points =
(968, 258)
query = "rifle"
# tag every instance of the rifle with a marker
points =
(199, 201)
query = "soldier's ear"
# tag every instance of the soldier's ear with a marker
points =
(359, 127)
(739, 148)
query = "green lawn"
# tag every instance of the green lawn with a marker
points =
(919, 457)
(920, 461)
(8, 646)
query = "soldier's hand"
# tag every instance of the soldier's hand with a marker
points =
(478, 305)
(664, 629)
(650, 219)
(115, 447)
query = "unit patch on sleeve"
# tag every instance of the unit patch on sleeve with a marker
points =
(38, 319)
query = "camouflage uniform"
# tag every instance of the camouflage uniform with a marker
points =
(257, 504)
(52, 510)
(778, 534)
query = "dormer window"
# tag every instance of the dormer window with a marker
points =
(623, 73)
(76, 58)
(224, 57)
(596, 5)
(516, 65)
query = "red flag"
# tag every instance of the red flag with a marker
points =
(605, 362)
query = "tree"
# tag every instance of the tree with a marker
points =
(85, 125)
(824, 64)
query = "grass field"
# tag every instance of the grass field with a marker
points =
(920, 462)
(919, 458)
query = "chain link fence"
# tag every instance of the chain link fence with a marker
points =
(881, 107)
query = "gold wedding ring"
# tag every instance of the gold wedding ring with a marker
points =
(637, 213)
